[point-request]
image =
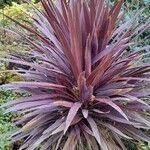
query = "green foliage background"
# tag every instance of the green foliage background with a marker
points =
(5, 121)
(16, 9)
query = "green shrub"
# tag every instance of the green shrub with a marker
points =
(6, 120)
(9, 41)
(15, 11)
(5, 125)
(4, 3)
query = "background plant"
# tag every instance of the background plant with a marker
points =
(10, 42)
(5, 3)
(5, 120)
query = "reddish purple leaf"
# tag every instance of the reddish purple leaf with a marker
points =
(72, 113)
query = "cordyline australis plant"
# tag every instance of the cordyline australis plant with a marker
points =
(88, 92)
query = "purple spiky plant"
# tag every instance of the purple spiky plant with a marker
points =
(87, 91)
